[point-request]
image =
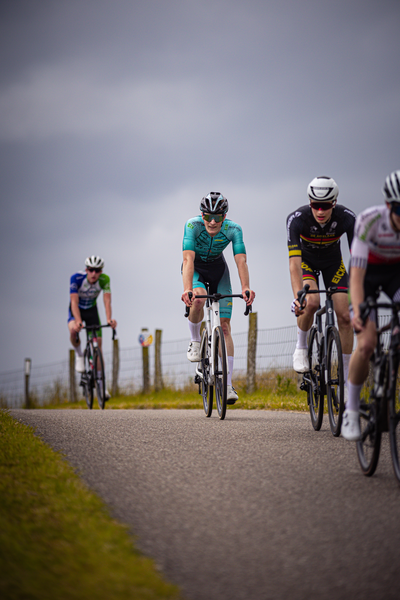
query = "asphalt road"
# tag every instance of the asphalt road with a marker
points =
(256, 507)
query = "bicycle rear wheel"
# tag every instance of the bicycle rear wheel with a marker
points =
(220, 372)
(394, 414)
(99, 377)
(205, 387)
(315, 396)
(87, 382)
(369, 446)
(335, 381)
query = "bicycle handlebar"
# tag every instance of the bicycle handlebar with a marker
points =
(370, 303)
(217, 297)
(301, 295)
(96, 327)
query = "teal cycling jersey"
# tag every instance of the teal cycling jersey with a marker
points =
(209, 248)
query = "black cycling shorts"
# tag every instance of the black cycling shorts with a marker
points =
(333, 271)
(90, 316)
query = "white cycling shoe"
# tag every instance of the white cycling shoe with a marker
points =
(79, 364)
(231, 394)
(351, 425)
(193, 353)
(300, 360)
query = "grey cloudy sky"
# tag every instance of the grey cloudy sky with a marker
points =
(118, 116)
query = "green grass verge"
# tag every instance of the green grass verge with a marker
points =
(274, 392)
(57, 539)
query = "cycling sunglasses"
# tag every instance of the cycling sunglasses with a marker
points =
(216, 218)
(322, 205)
(93, 270)
(395, 208)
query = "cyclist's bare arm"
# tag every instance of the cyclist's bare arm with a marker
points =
(296, 279)
(76, 313)
(357, 276)
(241, 263)
(187, 276)
(107, 306)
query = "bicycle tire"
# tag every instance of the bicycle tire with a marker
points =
(220, 371)
(315, 396)
(334, 381)
(205, 387)
(394, 414)
(87, 382)
(100, 382)
(369, 446)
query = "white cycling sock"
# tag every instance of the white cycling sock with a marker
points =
(301, 338)
(346, 362)
(353, 399)
(230, 369)
(194, 329)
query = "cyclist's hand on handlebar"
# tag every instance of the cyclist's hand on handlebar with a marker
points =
(248, 296)
(188, 297)
(78, 326)
(296, 309)
(112, 323)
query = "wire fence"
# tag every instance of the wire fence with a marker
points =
(274, 352)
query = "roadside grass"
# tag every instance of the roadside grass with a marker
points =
(57, 538)
(275, 391)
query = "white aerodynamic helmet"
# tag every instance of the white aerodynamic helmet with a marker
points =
(95, 262)
(323, 189)
(391, 189)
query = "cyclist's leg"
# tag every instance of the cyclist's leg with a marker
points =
(225, 305)
(304, 321)
(195, 318)
(336, 275)
(76, 343)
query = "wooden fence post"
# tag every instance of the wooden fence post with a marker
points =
(158, 381)
(115, 368)
(28, 364)
(145, 362)
(251, 353)
(72, 383)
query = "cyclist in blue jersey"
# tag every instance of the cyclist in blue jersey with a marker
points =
(205, 238)
(85, 287)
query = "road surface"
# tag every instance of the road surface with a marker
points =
(256, 507)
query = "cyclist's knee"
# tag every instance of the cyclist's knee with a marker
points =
(312, 303)
(226, 326)
(343, 319)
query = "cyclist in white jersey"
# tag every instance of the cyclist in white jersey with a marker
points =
(85, 287)
(375, 263)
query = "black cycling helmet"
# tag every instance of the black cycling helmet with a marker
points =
(391, 189)
(214, 203)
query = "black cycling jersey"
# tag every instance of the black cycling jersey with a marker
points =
(313, 242)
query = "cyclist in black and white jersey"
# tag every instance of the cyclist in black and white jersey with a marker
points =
(375, 263)
(313, 237)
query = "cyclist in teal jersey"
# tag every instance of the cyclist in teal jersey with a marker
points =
(85, 287)
(205, 238)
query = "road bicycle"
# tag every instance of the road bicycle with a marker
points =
(326, 375)
(212, 370)
(94, 374)
(380, 403)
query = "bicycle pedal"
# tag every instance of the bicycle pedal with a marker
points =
(304, 386)
(197, 379)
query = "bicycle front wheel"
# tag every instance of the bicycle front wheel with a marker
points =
(394, 414)
(335, 381)
(220, 371)
(369, 446)
(100, 379)
(315, 396)
(205, 387)
(87, 382)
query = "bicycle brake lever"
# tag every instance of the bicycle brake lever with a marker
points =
(248, 308)
(187, 308)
